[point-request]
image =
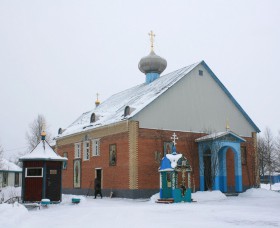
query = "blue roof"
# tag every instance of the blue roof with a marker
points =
(165, 165)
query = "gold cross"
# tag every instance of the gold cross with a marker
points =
(152, 36)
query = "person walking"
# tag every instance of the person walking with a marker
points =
(97, 188)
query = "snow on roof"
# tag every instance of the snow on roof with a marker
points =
(42, 151)
(138, 97)
(217, 135)
(6, 165)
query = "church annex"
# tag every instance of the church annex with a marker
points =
(123, 139)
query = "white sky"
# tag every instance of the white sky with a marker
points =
(56, 55)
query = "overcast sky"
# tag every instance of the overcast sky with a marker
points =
(56, 55)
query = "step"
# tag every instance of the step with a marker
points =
(169, 200)
(231, 193)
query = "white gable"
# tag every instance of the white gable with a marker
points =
(196, 104)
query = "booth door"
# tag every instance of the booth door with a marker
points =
(53, 183)
(166, 185)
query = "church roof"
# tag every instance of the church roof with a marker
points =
(42, 151)
(136, 98)
(6, 165)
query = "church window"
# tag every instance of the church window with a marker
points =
(77, 150)
(92, 118)
(126, 111)
(77, 173)
(64, 164)
(95, 147)
(112, 154)
(243, 155)
(86, 150)
(200, 72)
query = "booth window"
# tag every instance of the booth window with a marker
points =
(34, 172)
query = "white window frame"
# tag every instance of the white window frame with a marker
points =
(33, 168)
(86, 151)
(77, 153)
(96, 147)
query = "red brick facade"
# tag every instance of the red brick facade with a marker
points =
(117, 178)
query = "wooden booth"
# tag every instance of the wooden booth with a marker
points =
(42, 173)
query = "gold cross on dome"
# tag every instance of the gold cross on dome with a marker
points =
(152, 36)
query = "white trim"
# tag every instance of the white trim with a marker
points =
(33, 168)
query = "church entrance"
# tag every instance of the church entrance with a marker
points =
(230, 171)
(220, 162)
(98, 175)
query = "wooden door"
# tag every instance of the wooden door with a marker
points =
(53, 183)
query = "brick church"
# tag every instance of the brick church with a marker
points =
(122, 140)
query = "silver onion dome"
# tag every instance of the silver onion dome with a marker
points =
(152, 64)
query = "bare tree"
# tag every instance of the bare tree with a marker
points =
(1, 156)
(1, 166)
(33, 136)
(267, 154)
(262, 156)
(277, 147)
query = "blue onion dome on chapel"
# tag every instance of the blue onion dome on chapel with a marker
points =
(152, 64)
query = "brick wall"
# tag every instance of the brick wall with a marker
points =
(137, 168)
(113, 176)
(151, 141)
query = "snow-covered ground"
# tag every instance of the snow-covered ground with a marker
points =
(274, 187)
(254, 208)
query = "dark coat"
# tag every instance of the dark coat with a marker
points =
(97, 185)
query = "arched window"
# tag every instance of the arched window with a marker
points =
(126, 111)
(60, 131)
(92, 118)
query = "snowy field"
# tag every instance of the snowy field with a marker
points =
(254, 208)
